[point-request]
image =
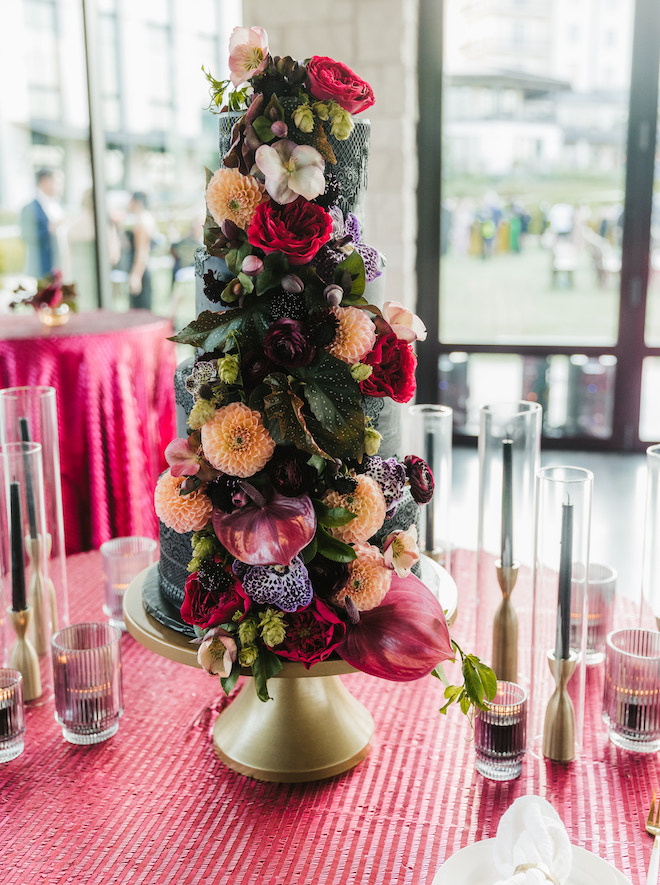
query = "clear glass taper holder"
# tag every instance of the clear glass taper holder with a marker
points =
(26, 588)
(30, 414)
(651, 555)
(559, 630)
(509, 456)
(429, 436)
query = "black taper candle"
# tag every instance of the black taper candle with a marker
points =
(29, 479)
(507, 503)
(17, 553)
(563, 647)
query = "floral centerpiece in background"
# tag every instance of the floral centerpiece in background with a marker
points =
(52, 301)
(279, 478)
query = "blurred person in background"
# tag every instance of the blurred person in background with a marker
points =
(141, 235)
(40, 220)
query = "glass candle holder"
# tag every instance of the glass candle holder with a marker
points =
(429, 436)
(26, 590)
(123, 560)
(88, 684)
(500, 733)
(651, 556)
(560, 608)
(12, 715)
(509, 456)
(30, 413)
(601, 590)
(631, 692)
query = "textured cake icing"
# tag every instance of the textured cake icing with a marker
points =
(288, 514)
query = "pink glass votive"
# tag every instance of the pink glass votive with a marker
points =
(500, 733)
(12, 714)
(88, 685)
(123, 560)
(631, 695)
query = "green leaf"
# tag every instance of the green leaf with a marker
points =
(264, 668)
(317, 463)
(211, 329)
(228, 682)
(275, 267)
(488, 679)
(331, 517)
(336, 403)
(354, 266)
(333, 548)
(465, 703)
(286, 408)
(310, 551)
(246, 282)
(262, 127)
(473, 684)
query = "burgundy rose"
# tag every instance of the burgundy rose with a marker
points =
(286, 344)
(332, 80)
(298, 230)
(208, 603)
(393, 363)
(312, 634)
(420, 478)
(290, 473)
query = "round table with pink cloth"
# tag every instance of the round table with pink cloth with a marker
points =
(113, 374)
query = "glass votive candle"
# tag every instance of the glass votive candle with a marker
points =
(12, 714)
(631, 694)
(123, 560)
(500, 733)
(601, 588)
(88, 684)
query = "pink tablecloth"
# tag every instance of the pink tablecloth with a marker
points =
(113, 374)
(154, 805)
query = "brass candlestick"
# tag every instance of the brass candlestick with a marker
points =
(23, 656)
(559, 727)
(505, 626)
(38, 595)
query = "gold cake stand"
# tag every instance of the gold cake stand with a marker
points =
(312, 728)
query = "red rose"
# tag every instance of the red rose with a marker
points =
(312, 633)
(393, 363)
(298, 230)
(212, 604)
(332, 80)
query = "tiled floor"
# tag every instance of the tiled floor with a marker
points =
(617, 521)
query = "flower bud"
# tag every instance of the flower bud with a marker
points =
(321, 110)
(372, 440)
(247, 631)
(252, 265)
(200, 413)
(279, 129)
(228, 368)
(273, 630)
(292, 284)
(360, 372)
(248, 655)
(333, 295)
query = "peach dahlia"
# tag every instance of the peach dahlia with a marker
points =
(236, 442)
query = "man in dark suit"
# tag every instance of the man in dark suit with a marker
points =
(39, 220)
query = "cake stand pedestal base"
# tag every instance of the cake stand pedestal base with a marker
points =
(312, 728)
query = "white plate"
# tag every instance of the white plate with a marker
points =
(474, 866)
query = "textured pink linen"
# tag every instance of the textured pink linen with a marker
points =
(113, 375)
(154, 805)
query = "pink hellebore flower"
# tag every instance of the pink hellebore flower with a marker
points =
(248, 53)
(291, 170)
(183, 460)
(217, 652)
(400, 551)
(403, 322)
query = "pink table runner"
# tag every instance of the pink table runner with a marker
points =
(113, 373)
(154, 805)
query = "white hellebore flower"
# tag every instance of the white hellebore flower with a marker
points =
(291, 170)
(400, 551)
(405, 324)
(217, 652)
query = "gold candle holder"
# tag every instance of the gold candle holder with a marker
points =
(505, 626)
(39, 595)
(559, 726)
(23, 656)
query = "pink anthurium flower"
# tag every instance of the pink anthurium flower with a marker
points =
(403, 322)
(400, 551)
(266, 531)
(291, 170)
(183, 459)
(248, 53)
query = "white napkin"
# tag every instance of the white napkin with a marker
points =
(531, 833)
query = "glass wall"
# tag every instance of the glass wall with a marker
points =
(158, 136)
